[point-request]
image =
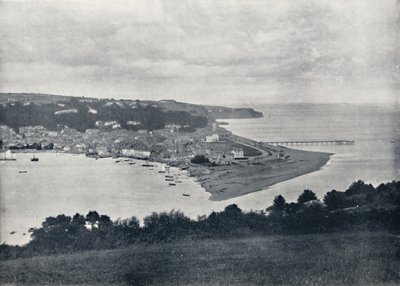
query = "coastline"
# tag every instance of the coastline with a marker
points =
(259, 173)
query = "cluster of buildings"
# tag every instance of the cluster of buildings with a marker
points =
(166, 144)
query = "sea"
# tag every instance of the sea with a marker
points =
(69, 184)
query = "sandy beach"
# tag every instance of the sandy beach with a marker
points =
(257, 173)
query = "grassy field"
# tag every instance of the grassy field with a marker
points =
(335, 259)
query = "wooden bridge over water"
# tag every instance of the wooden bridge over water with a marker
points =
(312, 142)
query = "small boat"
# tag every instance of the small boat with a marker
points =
(34, 159)
(172, 184)
(117, 161)
(132, 163)
(168, 176)
(169, 180)
(147, 165)
(23, 172)
(186, 195)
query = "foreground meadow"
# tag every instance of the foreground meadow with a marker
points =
(359, 258)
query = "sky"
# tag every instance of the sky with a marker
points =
(204, 51)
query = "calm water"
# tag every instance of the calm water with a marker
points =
(374, 158)
(68, 184)
(65, 183)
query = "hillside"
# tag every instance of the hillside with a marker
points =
(23, 109)
(325, 259)
(349, 239)
(89, 113)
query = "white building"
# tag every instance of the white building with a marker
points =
(91, 110)
(135, 153)
(103, 151)
(91, 132)
(52, 133)
(73, 110)
(6, 155)
(31, 129)
(237, 153)
(134, 123)
(280, 155)
(110, 123)
(172, 127)
(212, 138)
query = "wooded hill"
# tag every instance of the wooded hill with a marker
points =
(24, 109)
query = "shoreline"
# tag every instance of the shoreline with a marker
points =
(259, 173)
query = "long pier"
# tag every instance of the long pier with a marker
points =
(312, 142)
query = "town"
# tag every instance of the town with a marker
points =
(169, 145)
(182, 135)
(226, 165)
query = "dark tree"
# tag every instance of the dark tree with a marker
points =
(360, 187)
(279, 202)
(165, 226)
(53, 235)
(78, 219)
(200, 159)
(50, 146)
(233, 210)
(306, 196)
(335, 200)
(92, 218)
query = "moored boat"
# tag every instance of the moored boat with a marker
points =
(147, 165)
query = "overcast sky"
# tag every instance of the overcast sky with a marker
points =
(203, 51)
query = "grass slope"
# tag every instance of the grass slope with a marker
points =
(334, 259)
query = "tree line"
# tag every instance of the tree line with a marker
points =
(360, 207)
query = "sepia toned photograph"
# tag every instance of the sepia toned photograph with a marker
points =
(199, 142)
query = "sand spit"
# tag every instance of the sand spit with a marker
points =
(277, 164)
